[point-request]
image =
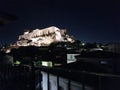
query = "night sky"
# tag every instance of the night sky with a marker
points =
(87, 20)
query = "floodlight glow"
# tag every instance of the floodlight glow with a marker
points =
(43, 37)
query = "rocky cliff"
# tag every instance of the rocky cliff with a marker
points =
(44, 37)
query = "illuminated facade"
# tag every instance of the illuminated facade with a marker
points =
(44, 37)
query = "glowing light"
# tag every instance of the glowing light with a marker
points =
(43, 37)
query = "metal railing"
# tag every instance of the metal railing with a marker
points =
(97, 81)
(20, 78)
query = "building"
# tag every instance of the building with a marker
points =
(44, 37)
(113, 47)
(71, 55)
(76, 76)
(96, 70)
(109, 61)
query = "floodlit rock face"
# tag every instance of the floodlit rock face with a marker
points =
(44, 37)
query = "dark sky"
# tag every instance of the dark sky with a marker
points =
(87, 20)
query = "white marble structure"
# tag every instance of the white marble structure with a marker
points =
(44, 37)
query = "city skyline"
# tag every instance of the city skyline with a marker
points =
(87, 21)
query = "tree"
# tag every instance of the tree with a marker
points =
(89, 46)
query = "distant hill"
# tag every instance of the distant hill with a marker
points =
(44, 37)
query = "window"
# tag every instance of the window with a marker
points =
(61, 88)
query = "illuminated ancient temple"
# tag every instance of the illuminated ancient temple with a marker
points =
(44, 37)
